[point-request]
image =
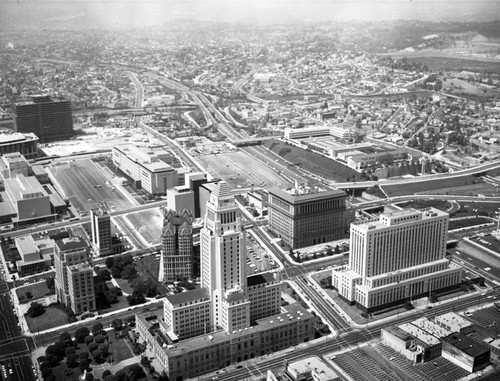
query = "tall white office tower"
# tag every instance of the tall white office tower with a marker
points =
(223, 270)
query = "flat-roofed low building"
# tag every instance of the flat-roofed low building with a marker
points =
(206, 353)
(36, 255)
(24, 143)
(494, 350)
(465, 352)
(146, 167)
(40, 173)
(29, 198)
(453, 322)
(187, 314)
(431, 327)
(13, 164)
(409, 345)
(310, 368)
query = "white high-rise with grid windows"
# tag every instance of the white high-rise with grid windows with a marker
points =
(398, 257)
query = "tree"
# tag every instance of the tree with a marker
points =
(50, 282)
(105, 274)
(106, 373)
(36, 309)
(110, 261)
(84, 364)
(69, 351)
(97, 329)
(29, 295)
(99, 339)
(109, 377)
(129, 271)
(81, 333)
(89, 339)
(72, 361)
(92, 347)
(65, 337)
(89, 377)
(117, 324)
(137, 297)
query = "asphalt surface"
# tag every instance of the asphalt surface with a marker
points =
(14, 349)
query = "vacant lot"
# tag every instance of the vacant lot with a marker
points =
(239, 169)
(313, 162)
(37, 290)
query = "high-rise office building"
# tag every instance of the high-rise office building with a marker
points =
(47, 118)
(74, 282)
(100, 224)
(223, 256)
(305, 217)
(177, 246)
(227, 320)
(400, 256)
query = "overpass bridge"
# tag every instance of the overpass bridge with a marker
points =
(252, 141)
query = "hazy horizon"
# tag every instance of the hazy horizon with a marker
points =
(135, 13)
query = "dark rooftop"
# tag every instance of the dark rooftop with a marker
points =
(299, 198)
(254, 280)
(71, 243)
(188, 296)
(466, 345)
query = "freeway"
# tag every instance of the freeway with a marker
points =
(438, 176)
(139, 96)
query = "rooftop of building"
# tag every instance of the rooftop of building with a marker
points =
(79, 267)
(419, 334)
(466, 345)
(21, 186)
(27, 244)
(8, 138)
(313, 364)
(430, 327)
(400, 217)
(146, 157)
(190, 296)
(298, 195)
(292, 313)
(71, 243)
(454, 321)
(262, 278)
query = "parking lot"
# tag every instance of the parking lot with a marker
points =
(147, 223)
(258, 260)
(86, 186)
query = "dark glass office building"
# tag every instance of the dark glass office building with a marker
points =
(48, 119)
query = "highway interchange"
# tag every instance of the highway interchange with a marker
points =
(15, 348)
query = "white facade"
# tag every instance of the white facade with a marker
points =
(223, 270)
(145, 165)
(399, 256)
(187, 314)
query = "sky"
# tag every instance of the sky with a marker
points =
(120, 13)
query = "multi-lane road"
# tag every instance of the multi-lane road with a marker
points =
(346, 340)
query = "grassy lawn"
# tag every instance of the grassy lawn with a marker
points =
(53, 317)
(38, 290)
(429, 186)
(120, 350)
(124, 285)
(313, 162)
